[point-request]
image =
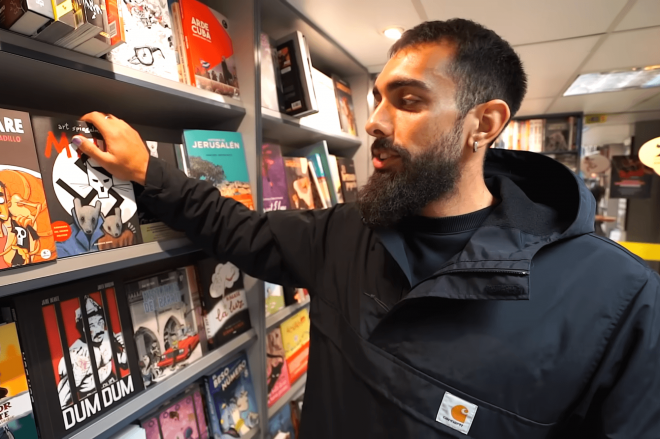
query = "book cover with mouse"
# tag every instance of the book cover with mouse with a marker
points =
(90, 209)
(26, 236)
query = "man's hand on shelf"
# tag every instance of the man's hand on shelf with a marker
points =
(126, 156)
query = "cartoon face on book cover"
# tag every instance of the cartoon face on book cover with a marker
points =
(26, 236)
(277, 375)
(183, 419)
(273, 178)
(80, 362)
(233, 397)
(149, 43)
(90, 209)
(16, 417)
(218, 156)
(225, 301)
(167, 326)
(210, 47)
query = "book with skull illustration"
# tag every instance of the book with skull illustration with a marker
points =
(167, 322)
(151, 228)
(80, 366)
(226, 313)
(204, 46)
(231, 400)
(149, 43)
(90, 209)
(181, 417)
(26, 236)
(277, 373)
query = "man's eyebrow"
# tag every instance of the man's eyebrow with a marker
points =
(408, 83)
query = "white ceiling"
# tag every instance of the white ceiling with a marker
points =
(556, 40)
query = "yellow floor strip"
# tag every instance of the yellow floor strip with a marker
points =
(645, 250)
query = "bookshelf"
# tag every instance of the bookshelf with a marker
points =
(49, 80)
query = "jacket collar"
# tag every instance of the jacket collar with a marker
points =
(541, 202)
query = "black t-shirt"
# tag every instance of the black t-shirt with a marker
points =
(430, 242)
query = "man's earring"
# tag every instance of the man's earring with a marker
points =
(476, 146)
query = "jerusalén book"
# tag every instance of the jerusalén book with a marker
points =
(16, 415)
(206, 52)
(231, 400)
(181, 418)
(219, 157)
(167, 321)
(298, 182)
(26, 236)
(280, 425)
(348, 179)
(149, 43)
(151, 228)
(273, 178)
(78, 360)
(277, 373)
(226, 313)
(90, 209)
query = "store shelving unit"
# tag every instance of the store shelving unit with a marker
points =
(49, 80)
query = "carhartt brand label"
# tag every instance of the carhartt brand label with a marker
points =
(456, 413)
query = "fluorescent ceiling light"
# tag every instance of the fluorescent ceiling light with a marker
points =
(640, 77)
(393, 32)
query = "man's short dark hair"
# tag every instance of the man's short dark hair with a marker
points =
(485, 67)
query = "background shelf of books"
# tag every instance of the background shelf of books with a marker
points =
(176, 333)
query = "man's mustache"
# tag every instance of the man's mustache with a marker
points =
(386, 144)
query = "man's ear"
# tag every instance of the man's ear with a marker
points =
(493, 117)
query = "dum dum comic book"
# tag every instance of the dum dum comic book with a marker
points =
(79, 362)
(90, 209)
(26, 236)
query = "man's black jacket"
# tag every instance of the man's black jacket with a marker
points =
(550, 330)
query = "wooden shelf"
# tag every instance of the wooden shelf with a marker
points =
(33, 277)
(142, 403)
(288, 131)
(64, 81)
(294, 391)
(284, 314)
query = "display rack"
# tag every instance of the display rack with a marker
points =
(49, 80)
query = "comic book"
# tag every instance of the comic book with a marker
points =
(219, 157)
(149, 43)
(280, 425)
(295, 340)
(274, 298)
(181, 418)
(336, 180)
(277, 373)
(204, 46)
(90, 209)
(318, 155)
(74, 336)
(16, 415)
(167, 322)
(151, 228)
(273, 178)
(348, 179)
(344, 98)
(298, 183)
(26, 236)
(226, 313)
(231, 400)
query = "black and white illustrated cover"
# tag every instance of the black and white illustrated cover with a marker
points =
(79, 362)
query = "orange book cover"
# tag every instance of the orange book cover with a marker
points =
(295, 338)
(115, 23)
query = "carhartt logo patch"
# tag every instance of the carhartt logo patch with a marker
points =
(456, 413)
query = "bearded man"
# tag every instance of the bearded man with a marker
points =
(465, 294)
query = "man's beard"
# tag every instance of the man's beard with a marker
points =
(389, 196)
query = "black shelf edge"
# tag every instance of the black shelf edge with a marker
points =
(288, 131)
(27, 278)
(283, 314)
(288, 396)
(113, 421)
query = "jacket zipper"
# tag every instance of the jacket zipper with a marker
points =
(377, 300)
(488, 270)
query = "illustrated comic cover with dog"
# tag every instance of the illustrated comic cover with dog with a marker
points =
(231, 401)
(26, 236)
(167, 322)
(90, 209)
(79, 363)
(226, 313)
(183, 417)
